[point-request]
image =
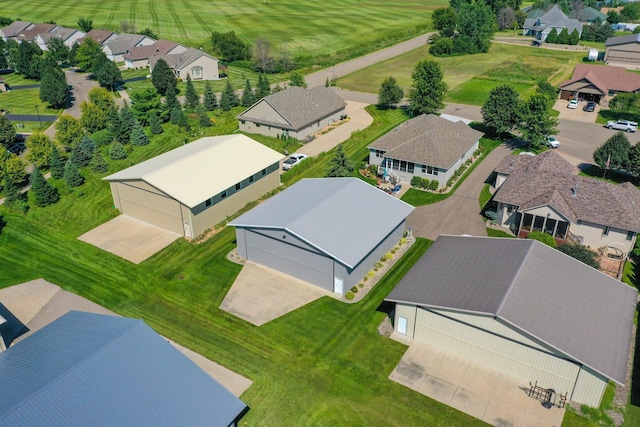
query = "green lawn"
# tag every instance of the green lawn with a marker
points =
(302, 27)
(470, 77)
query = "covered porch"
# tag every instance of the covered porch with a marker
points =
(547, 221)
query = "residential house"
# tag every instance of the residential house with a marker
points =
(115, 50)
(295, 112)
(554, 19)
(138, 57)
(589, 16)
(522, 309)
(94, 369)
(544, 193)
(190, 189)
(32, 33)
(192, 62)
(427, 146)
(624, 50)
(599, 83)
(316, 231)
(14, 29)
(69, 36)
(102, 37)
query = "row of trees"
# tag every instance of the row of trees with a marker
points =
(259, 56)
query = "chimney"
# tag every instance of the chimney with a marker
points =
(574, 191)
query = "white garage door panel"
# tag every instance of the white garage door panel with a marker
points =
(144, 213)
(503, 355)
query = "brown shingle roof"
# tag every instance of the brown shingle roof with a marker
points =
(548, 161)
(180, 60)
(15, 28)
(32, 33)
(299, 107)
(99, 36)
(428, 140)
(124, 42)
(160, 47)
(605, 77)
(574, 197)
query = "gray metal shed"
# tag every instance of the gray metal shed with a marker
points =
(326, 231)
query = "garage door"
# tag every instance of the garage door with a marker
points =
(150, 207)
(503, 354)
(289, 259)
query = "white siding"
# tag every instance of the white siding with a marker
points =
(589, 388)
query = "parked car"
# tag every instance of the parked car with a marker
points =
(590, 107)
(551, 141)
(625, 125)
(293, 160)
(573, 104)
(17, 149)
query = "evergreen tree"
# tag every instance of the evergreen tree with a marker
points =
(138, 136)
(44, 193)
(563, 38)
(176, 115)
(7, 132)
(98, 164)
(340, 165)
(263, 88)
(228, 99)
(552, 37)
(56, 163)
(615, 151)
(72, 175)
(126, 120)
(163, 77)
(87, 147)
(574, 38)
(53, 88)
(210, 99)
(117, 151)
(247, 95)
(14, 198)
(192, 97)
(297, 79)
(426, 95)
(326, 82)
(390, 92)
(171, 101)
(107, 72)
(203, 118)
(156, 124)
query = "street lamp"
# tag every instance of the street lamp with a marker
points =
(39, 120)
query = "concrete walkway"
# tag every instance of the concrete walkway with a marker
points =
(460, 213)
(38, 303)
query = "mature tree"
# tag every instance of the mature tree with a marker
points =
(117, 151)
(192, 99)
(563, 37)
(98, 164)
(87, 54)
(427, 91)
(124, 125)
(547, 89)
(210, 100)
(581, 253)
(68, 130)
(138, 136)
(163, 76)
(149, 33)
(613, 17)
(203, 118)
(54, 89)
(263, 88)
(106, 72)
(7, 132)
(57, 49)
(229, 47)
(262, 58)
(552, 37)
(444, 18)
(56, 163)
(72, 175)
(87, 147)
(297, 79)
(574, 38)
(505, 18)
(5, 21)
(71, 59)
(85, 24)
(155, 124)
(615, 152)
(27, 60)
(44, 193)
(390, 92)
(39, 147)
(176, 115)
(228, 98)
(631, 11)
(103, 99)
(541, 237)
(4, 62)
(171, 101)
(145, 103)
(285, 63)
(14, 167)
(476, 27)
(14, 198)
(536, 122)
(93, 118)
(339, 165)
(633, 163)
(501, 111)
(248, 98)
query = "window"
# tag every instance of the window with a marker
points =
(410, 167)
(435, 171)
(250, 179)
(242, 122)
(605, 231)
(430, 170)
(223, 194)
(561, 231)
(207, 203)
(238, 186)
(538, 222)
(424, 168)
(264, 172)
(379, 153)
(550, 226)
(526, 223)
(403, 166)
(630, 235)
(257, 125)
(196, 72)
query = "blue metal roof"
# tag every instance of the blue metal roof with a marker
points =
(91, 369)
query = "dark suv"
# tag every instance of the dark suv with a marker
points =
(590, 107)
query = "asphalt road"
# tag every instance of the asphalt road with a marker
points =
(30, 118)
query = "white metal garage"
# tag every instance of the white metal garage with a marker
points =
(522, 309)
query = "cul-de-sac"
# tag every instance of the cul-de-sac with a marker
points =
(346, 213)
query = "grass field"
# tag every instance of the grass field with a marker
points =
(302, 27)
(24, 101)
(470, 77)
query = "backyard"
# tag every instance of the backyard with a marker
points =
(24, 101)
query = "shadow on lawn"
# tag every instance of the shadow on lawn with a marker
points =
(635, 374)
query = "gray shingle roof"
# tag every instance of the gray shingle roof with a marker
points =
(428, 140)
(614, 41)
(596, 201)
(61, 32)
(159, 48)
(91, 369)
(589, 14)
(566, 304)
(299, 107)
(328, 213)
(124, 42)
(553, 18)
(15, 28)
(180, 60)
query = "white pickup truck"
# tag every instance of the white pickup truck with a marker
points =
(624, 125)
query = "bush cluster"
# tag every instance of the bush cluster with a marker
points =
(458, 173)
(425, 183)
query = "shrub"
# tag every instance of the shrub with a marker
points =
(545, 238)
(377, 266)
(361, 285)
(386, 257)
(416, 181)
(349, 295)
(434, 184)
(102, 137)
(117, 151)
(424, 183)
(354, 289)
(371, 274)
(441, 47)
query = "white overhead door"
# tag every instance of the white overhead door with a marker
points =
(151, 207)
(295, 261)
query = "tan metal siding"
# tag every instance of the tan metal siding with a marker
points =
(408, 312)
(589, 388)
(150, 207)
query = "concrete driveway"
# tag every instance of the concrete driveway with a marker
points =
(577, 114)
(460, 213)
(261, 294)
(37, 303)
(480, 392)
(130, 238)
